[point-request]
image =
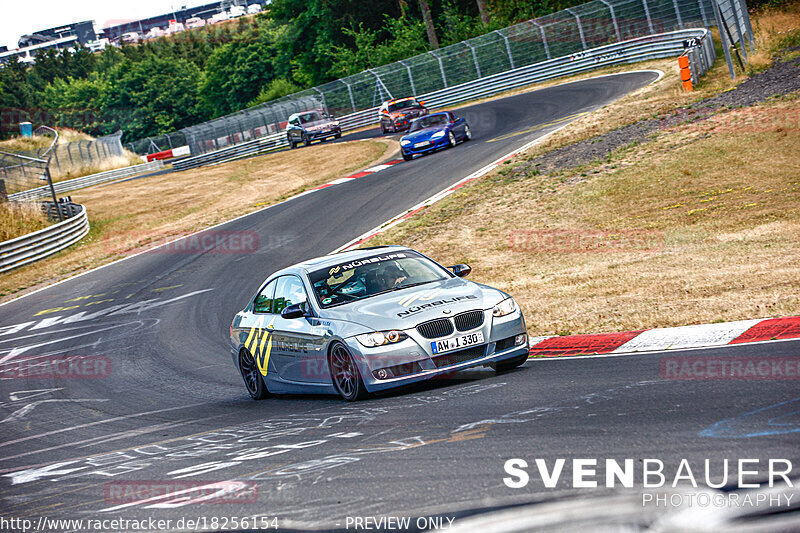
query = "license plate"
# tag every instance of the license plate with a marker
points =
(455, 343)
(423, 143)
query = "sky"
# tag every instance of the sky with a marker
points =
(18, 17)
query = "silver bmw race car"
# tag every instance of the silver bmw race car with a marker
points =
(368, 320)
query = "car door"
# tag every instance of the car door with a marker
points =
(458, 125)
(295, 132)
(298, 344)
(257, 328)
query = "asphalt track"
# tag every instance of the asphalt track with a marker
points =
(171, 406)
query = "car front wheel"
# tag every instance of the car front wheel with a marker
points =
(510, 364)
(345, 375)
(452, 139)
(306, 140)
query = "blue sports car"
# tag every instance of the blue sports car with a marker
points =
(363, 321)
(432, 132)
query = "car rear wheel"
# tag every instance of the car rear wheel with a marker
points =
(510, 364)
(345, 375)
(467, 133)
(252, 377)
(451, 139)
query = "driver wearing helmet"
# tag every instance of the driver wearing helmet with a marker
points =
(392, 276)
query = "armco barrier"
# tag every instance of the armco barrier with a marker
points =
(643, 48)
(40, 244)
(86, 181)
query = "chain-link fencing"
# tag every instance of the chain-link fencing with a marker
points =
(26, 170)
(559, 34)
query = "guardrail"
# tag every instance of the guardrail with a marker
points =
(86, 181)
(640, 49)
(43, 243)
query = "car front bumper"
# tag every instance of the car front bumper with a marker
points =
(435, 144)
(316, 135)
(413, 360)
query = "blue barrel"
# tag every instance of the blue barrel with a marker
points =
(26, 129)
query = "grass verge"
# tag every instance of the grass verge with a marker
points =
(18, 219)
(157, 208)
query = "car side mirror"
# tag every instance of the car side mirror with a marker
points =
(461, 270)
(294, 311)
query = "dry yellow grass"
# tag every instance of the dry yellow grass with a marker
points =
(18, 219)
(720, 202)
(177, 203)
(64, 169)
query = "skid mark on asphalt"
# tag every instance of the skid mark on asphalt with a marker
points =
(779, 419)
(531, 414)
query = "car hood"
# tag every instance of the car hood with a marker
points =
(412, 112)
(319, 124)
(424, 134)
(405, 308)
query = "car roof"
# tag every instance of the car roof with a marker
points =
(305, 113)
(343, 257)
(390, 102)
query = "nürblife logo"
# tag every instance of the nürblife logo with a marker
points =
(366, 261)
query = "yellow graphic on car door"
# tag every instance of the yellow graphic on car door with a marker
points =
(255, 344)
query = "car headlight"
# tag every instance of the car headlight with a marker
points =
(379, 338)
(405, 142)
(506, 307)
(438, 135)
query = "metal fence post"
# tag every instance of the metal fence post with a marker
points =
(324, 103)
(702, 13)
(748, 26)
(677, 13)
(508, 49)
(725, 44)
(544, 39)
(441, 67)
(350, 91)
(580, 27)
(410, 78)
(740, 30)
(380, 83)
(474, 58)
(614, 19)
(647, 14)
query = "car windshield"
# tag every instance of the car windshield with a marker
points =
(429, 121)
(363, 278)
(405, 104)
(314, 116)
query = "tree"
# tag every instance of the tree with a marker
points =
(428, 19)
(235, 74)
(483, 11)
(407, 38)
(277, 88)
(156, 95)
